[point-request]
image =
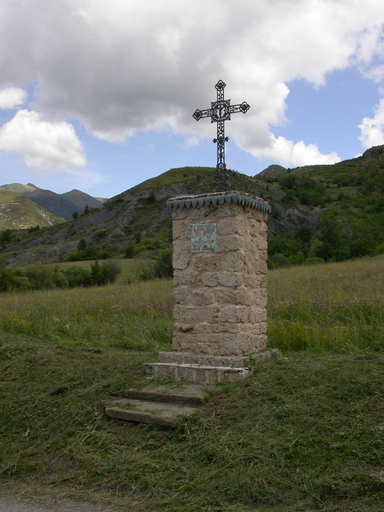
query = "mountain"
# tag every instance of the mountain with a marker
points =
(18, 212)
(52, 202)
(60, 205)
(81, 200)
(273, 171)
(18, 187)
(332, 212)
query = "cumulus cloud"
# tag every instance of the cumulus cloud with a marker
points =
(287, 153)
(12, 97)
(125, 66)
(44, 145)
(372, 129)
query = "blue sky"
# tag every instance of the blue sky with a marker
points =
(99, 95)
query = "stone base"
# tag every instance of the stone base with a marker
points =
(202, 369)
(196, 373)
(207, 360)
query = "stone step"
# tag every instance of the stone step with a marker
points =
(243, 361)
(196, 373)
(186, 397)
(161, 413)
(161, 405)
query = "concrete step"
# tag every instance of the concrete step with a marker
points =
(188, 397)
(162, 414)
(196, 373)
(163, 406)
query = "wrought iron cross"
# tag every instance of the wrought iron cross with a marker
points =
(220, 112)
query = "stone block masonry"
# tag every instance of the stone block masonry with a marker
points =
(220, 282)
(221, 296)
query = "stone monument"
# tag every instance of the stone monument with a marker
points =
(220, 276)
(220, 288)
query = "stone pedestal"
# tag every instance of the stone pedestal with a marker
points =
(220, 287)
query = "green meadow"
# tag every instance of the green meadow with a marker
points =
(305, 432)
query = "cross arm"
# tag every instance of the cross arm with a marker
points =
(199, 114)
(241, 107)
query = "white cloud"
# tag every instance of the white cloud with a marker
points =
(12, 97)
(124, 66)
(289, 154)
(44, 145)
(372, 129)
(190, 142)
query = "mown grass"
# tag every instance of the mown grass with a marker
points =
(303, 433)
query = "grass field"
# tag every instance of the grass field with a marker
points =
(333, 307)
(336, 306)
(305, 432)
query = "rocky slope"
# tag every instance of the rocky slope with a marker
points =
(352, 191)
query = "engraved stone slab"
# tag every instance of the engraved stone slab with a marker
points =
(203, 237)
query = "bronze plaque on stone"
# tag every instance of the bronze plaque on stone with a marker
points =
(203, 237)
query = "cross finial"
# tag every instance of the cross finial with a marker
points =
(220, 112)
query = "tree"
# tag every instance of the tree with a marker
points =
(81, 245)
(6, 235)
(334, 243)
(304, 236)
(163, 265)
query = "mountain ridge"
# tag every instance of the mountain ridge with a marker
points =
(17, 211)
(309, 204)
(60, 205)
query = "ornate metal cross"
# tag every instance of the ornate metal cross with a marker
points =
(220, 112)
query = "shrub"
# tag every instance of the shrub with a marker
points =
(314, 261)
(130, 250)
(82, 245)
(143, 269)
(106, 273)
(91, 252)
(163, 265)
(6, 235)
(278, 260)
(12, 280)
(42, 277)
(77, 276)
(111, 269)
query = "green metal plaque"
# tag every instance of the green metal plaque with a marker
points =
(203, 237)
